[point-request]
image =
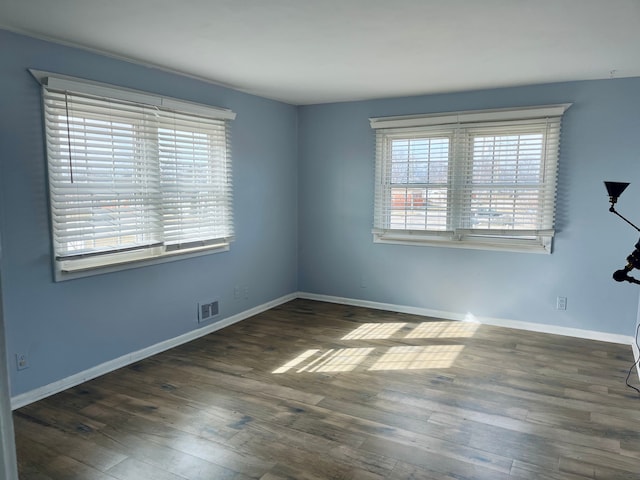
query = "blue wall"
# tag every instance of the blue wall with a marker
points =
(600, 141)
(71, 326)
(303, 213)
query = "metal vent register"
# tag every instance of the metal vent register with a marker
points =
(206, 311)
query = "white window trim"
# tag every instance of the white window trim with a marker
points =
(58, 81)
(469, 116)
(464, 238)
(65, 269)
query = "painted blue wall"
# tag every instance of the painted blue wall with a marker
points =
(600, 141)
(71, 326)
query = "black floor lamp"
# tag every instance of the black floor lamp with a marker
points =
(615, 189)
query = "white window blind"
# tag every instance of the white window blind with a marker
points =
(195, 181)
(474, 179)
(133, 181)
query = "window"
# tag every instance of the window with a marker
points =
(484, 179)
(132, 176)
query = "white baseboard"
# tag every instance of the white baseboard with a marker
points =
(91, 373)
(498, 322)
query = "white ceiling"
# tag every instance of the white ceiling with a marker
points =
(318, 51)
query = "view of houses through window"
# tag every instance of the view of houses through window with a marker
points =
(505, 173)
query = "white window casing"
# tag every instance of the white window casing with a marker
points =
(133, 176)
(475, 179)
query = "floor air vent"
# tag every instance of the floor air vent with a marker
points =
(206, 311)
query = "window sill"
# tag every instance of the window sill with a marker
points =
(97, 265)
(540, 245)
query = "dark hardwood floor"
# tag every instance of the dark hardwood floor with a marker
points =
(312, 390)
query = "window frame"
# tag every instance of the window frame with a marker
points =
(205, 124)
(462, 128)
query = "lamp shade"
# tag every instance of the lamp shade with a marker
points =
(615, 189)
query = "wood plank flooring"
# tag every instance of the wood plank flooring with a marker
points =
(316, 391)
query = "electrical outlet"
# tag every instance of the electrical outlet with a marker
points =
(22, 361)
(561, 303)
(236, 291)
(246, 292)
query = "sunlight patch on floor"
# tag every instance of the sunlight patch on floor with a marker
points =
(296, 361)
(394, 358)
(443, 330)
(381, 358)
(417, 358)
(340, 360)
(370, 331)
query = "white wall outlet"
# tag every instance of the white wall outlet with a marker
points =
(561, 303)
(22, 361)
